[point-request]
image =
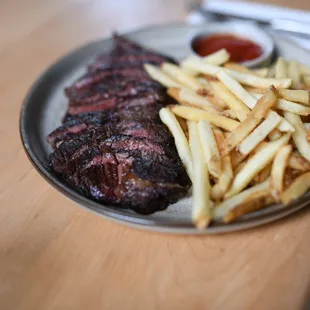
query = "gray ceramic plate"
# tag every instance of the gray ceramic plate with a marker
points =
(45, 105)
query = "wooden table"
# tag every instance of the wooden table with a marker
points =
(54, 255)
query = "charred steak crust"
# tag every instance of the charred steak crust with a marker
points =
(112, 146)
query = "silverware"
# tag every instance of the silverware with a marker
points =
(217, 12)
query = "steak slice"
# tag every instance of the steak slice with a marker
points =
(112, 146)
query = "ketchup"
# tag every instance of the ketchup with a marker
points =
(240, 49)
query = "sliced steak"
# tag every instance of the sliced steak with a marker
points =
(112, 146)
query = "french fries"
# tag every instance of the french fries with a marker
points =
(181, 143)
(296, 95)
(299, 135)
(259, 133)
(226, 173)
(281, 69)
(247, 98)
(256, 164)
(194, 114)
(298, 162)
(220, 211)
(299, 187)
(181, 76)
(201, 213)
(243, 78)
(210, 148)
(217, 58)
(285, 105)
(306, 80)
(253, 119)
(233, 128)
(231, 100)
(190, 98)
(294, 73)
(278, 169)
(255, 202)
(161, 77)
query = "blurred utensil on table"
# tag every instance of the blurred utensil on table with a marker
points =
(285, 20)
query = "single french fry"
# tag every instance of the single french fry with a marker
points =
(252, 120)
(181, 143)
(254, 90)
(244, 78)
(190, 98)
(209, 94)
(201, 213)
(194, 114)
(293, 70)
(229, 113)
(285, 105)
(189, 71)
(299, 187)
(210, 148)
(306, 80)
(304, 69)
(278, 170)
(299, 135)
(275, 134)
(230, 100)
(217, 58)
(265, 173)
(259, 134)
(181, 76)
(259, 82)
(262, 72)
(226, 174)
(220, 210)
(236, 89)
(281, 69)
(296, 95)
(256, 164)
(296, 161)
(161, 77)
(236, 158)
(239, 167)
(255, 202)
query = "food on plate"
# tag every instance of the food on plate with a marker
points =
(201, 213)
(141, 128)
(255, 144)
(278, 170)
(112, 145)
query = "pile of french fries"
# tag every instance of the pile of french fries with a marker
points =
(243, 135)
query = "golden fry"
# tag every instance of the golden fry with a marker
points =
(256, 164)
(201, 213)
(278, 170)
(299, 135)
(226, 174)
(194, 114)
(181, 143)
(161, 77)
(299, 187)
(252, 120)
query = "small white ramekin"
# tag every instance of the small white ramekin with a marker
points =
(246, 30)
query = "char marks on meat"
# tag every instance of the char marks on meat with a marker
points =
(112, 146)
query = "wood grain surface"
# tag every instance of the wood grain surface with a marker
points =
(54, 255)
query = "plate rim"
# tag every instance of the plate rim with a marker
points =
(113, 213)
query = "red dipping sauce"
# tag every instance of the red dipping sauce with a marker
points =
(240, 49)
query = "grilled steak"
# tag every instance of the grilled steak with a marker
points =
(112, 146)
